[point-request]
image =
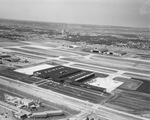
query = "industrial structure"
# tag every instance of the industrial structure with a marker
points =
(100, 50)
(46, 114)
(9, 58)
(119, 53)
(63, 73)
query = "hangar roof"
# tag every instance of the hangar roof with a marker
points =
(31, 70)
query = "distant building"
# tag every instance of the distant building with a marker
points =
(54, 113)
(46, 114)
(119, 53)
(73, 46)
(95, 51)
(20, 115)
(27, 102)
(12, 100)
(12, 59)
(39, 115)
(101, 50)
(2, 56)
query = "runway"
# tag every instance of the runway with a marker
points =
(108, 65)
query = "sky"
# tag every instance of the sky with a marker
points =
(132, 13)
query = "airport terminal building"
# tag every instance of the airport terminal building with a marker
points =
(63, 73)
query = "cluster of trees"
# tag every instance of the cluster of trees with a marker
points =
(108, 40)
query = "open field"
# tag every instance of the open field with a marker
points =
(108, 65)
(77, 93)
(6, 42)
(138, 76)
(50, 51)
(131, 101)
(145, 87)
(74, 51)
(32, 52)
(28, 56)
(129, 84)
(93, 68)
(126, 60)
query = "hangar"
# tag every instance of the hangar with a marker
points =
(30, 70)
(63, 73)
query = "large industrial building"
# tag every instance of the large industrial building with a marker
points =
(63, 73)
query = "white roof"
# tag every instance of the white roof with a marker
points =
(110, 85)
(25, 100)
(30, 70)
(74, 46)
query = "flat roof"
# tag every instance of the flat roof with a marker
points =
(120, 52)
(110, 85)
(57, 72)
(31, 70)
(60, 73)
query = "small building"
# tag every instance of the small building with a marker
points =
(46, 114)
(2, 56)
(54, 113)
(27, 102)
(32, 69)
(103, 50)
(39, 115)
(12, 59)
(20, 115)
(95, 51)
(1, 62)
(100, 50)
(73, 46)
(12, 100)
(119, 53)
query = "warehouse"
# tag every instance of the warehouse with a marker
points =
(2, 56)
(100, 50)
(27, 102)
(63, 73)
(32, 69)
(12, 59)
(47, 114)
(119, 53)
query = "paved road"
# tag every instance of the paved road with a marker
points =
(72, 102)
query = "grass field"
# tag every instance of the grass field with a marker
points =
(94, 68)
(132, 75)
(129, 84)
(109, 65)
(145, 87)
(33, 52)
(6, 42)
(29, 56)
(50, 51)
(129, 101)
